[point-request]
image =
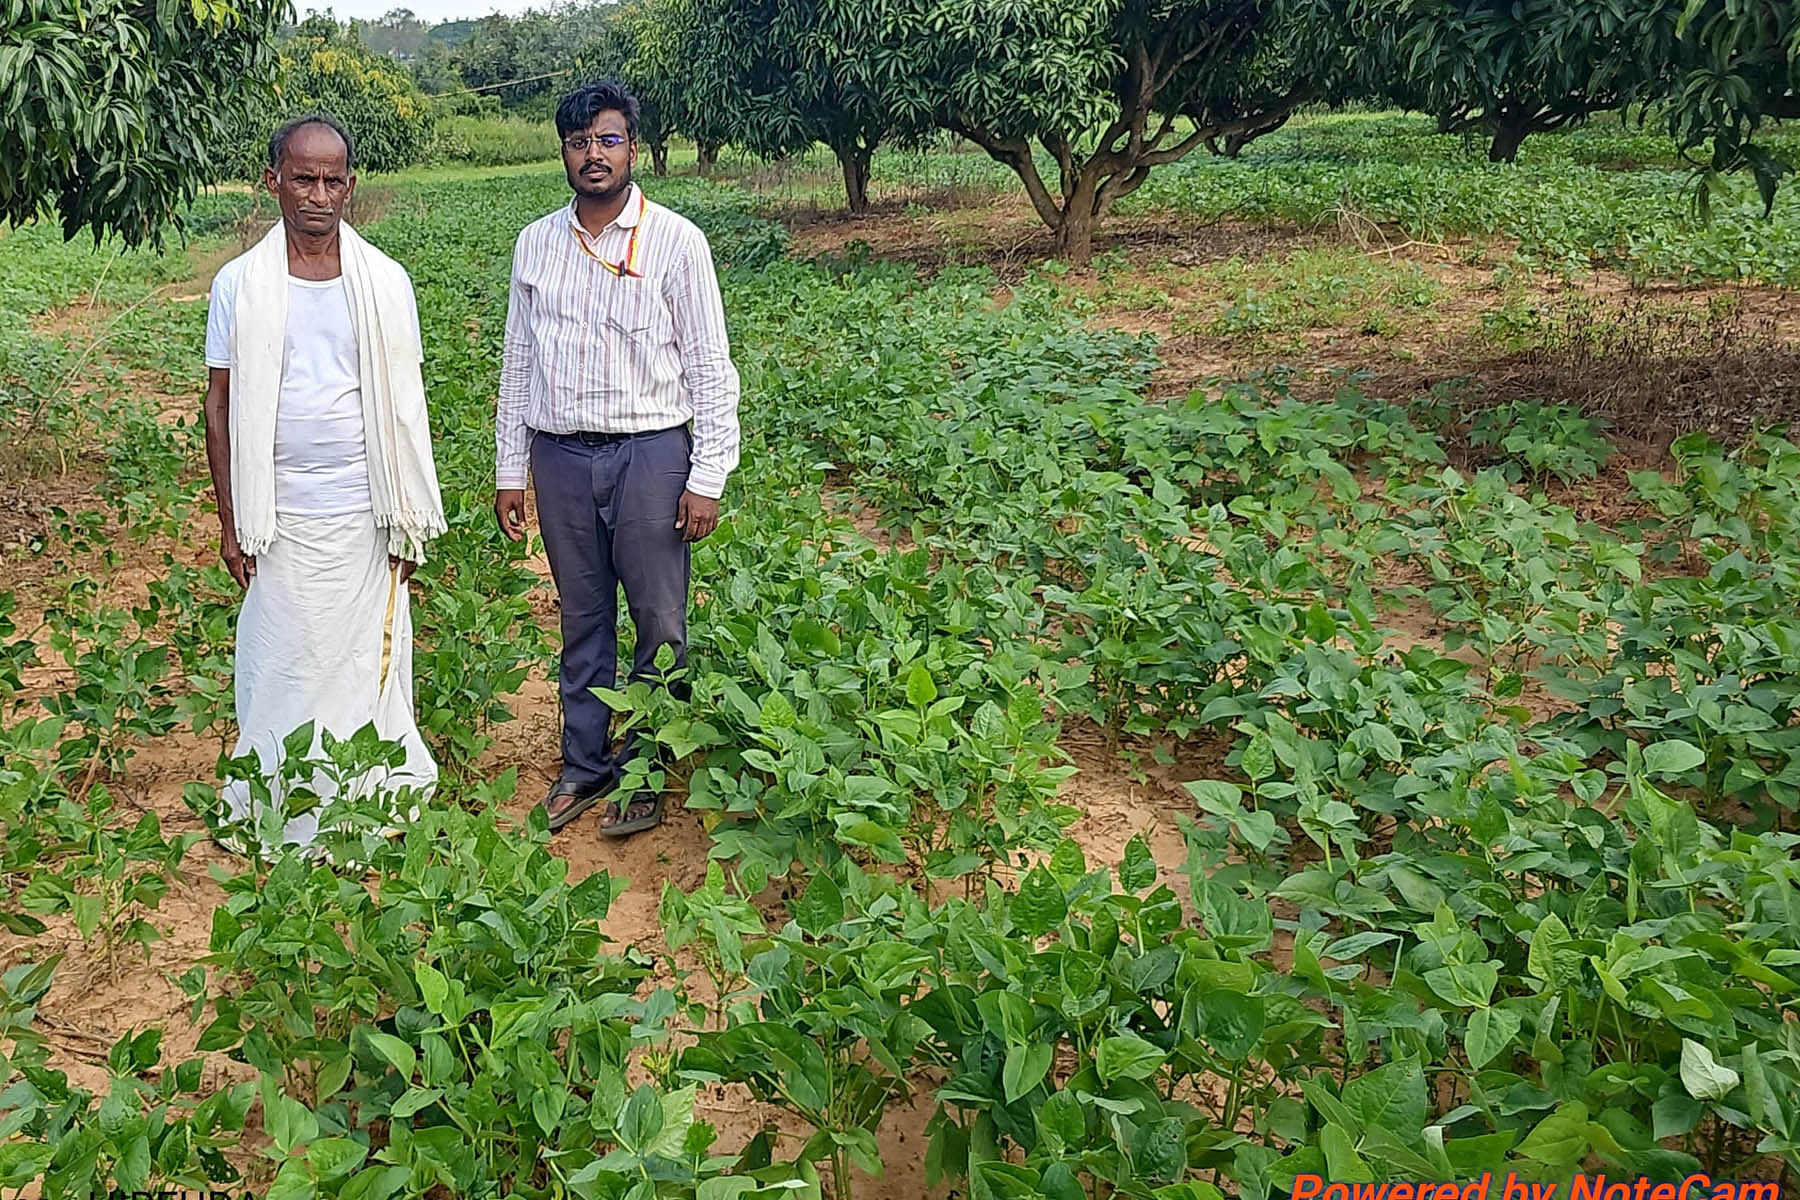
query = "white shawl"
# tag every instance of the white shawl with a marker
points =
(402, 477)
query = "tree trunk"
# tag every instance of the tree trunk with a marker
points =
(659, 156)
(1080, 217)
(707, 155)
(854, 160)
(1075, 235)
(1510, 129)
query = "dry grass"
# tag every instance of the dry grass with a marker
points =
(1656, 370)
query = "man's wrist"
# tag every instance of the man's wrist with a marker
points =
(710, 484)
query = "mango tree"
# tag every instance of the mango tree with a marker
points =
(1109, 89)
(1733, 67)
(646, 46)
(1510, 70)
(778, 76)
(1716, 69)
(119, 111)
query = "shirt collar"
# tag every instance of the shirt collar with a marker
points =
(628, 216)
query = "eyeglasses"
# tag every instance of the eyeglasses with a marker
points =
(581, 141)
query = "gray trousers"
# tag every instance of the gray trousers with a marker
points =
(607, 511)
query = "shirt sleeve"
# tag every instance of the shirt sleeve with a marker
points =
(707, 372)
(220, 318)
(512, 440)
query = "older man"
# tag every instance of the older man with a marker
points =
(320, 450)
(615, 343)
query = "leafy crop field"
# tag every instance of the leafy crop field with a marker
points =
(1090, 785)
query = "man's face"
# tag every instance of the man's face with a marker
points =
(313, 182)
(596, 170)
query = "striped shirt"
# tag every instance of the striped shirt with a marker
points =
(591, 351)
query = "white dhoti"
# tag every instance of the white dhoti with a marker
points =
(325, 635)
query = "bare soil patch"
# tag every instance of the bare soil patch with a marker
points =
(1655, 360)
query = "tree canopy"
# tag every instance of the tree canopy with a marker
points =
(1107, 89)
(119, 111)
(1508, 69)
(646, 44)
(785, 75)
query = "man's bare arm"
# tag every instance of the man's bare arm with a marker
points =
(217, 409)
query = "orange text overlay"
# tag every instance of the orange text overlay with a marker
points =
(1510, 1187)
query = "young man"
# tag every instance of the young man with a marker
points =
(320, 449)
(615, 342)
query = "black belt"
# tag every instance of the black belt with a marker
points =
(606, 439)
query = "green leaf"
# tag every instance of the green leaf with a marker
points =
(132, 1170)
(1126, 1056)
(1491, 1030)
(86, 911)
(1341, 1159)
(920, 691)
(334, 1072)
(641, 1119)
(875, 836)
(1672, 758)
(725, 1187)
(1704, 1077)
(1233, 1023)
(22, 1162)
(810, 634)
(414, 1100)
(677, 1122)
(398, 1053)
(1061, 1121)
(777, 712)
(1392, 1096)
(1321, 626)
(1159, 1150)
(290, 1123)
(1068, 864)
(292, 1183)
(1216, 796)
(1138, 871)
(434, 988)
(1040, 905)
(1551, 953)
(1560, 1140)
(374, 1183)
(331, 1158)
(1466, 985)
(1025, 1069)
(820, 907)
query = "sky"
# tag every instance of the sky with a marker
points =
(429, 11)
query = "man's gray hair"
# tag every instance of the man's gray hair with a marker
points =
(279, 140)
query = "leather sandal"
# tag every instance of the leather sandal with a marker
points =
(584, 801)
(650, 820)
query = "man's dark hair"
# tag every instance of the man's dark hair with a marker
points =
(579, 108)
(279, 140)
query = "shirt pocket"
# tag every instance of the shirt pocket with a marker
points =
(633, 310)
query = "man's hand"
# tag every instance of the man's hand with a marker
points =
(696, 516)
(242, 566)
(407, 567)
(509, 511)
